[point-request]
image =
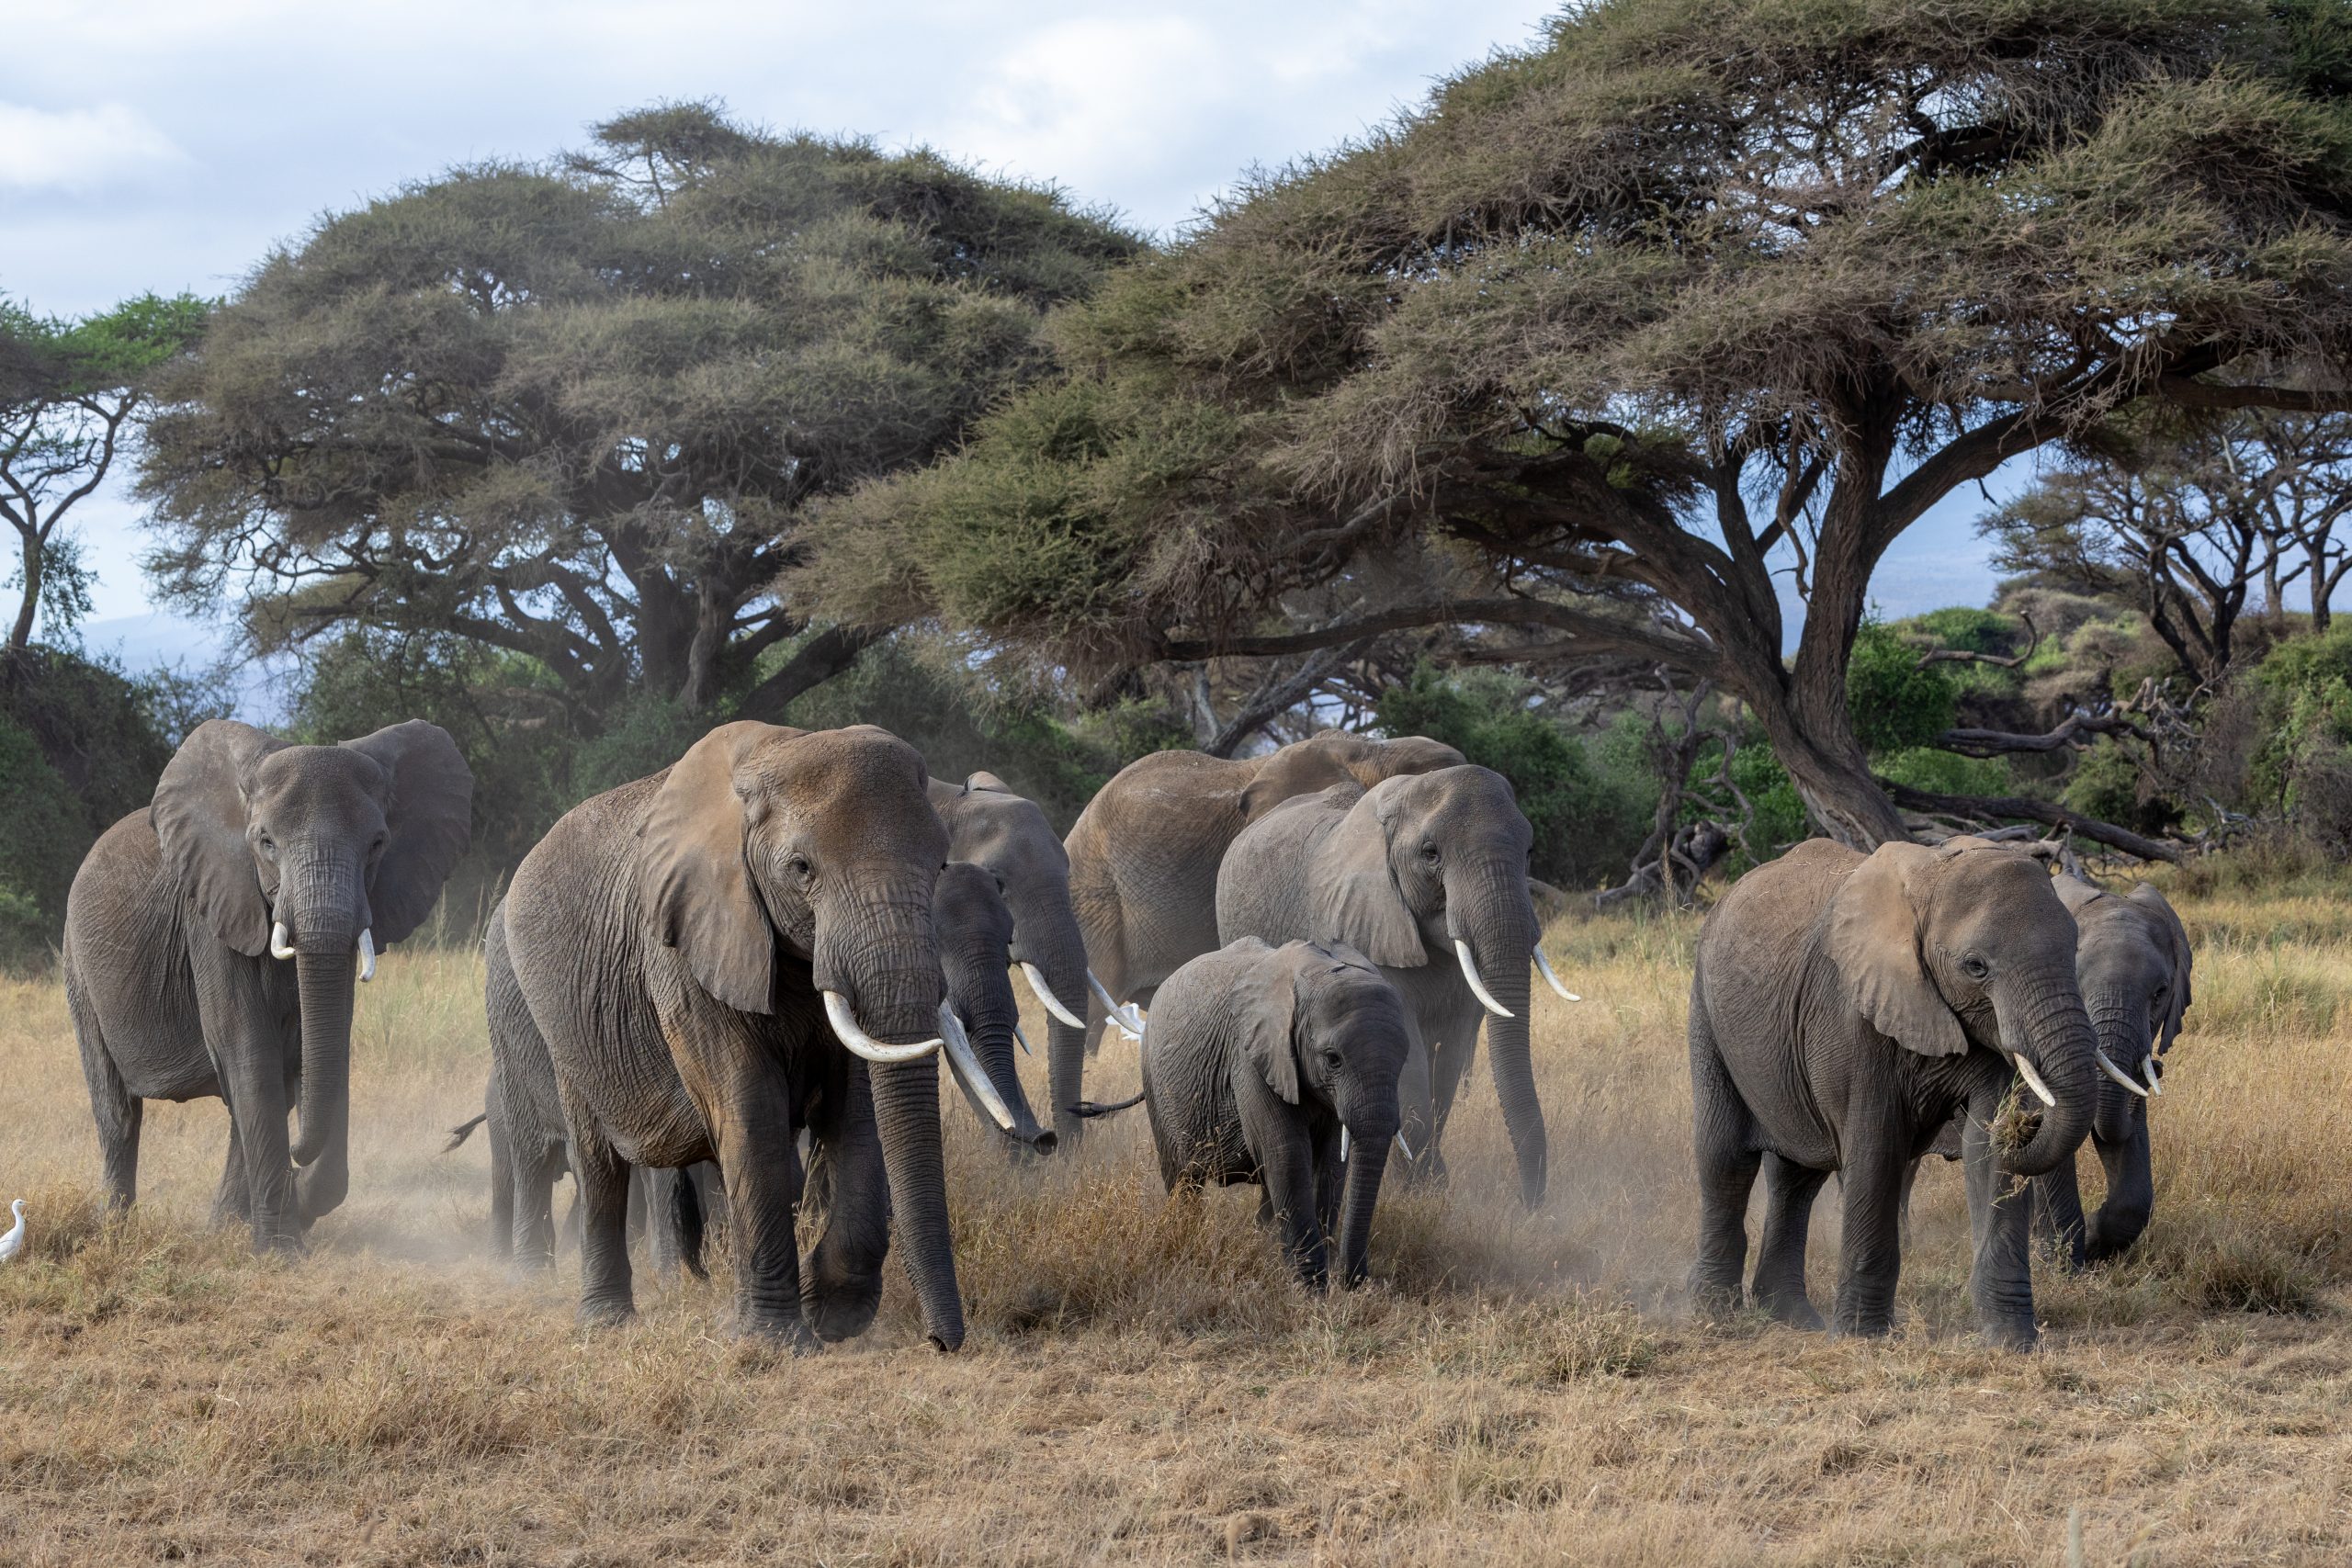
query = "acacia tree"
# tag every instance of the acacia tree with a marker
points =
(70, 392)
(1580, 357)
(577, 413)
(2186, 519)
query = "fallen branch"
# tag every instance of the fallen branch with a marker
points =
(2004, 662)
(2068, 736)
(1991, 807)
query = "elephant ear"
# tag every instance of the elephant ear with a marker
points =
(1269, 1004)
(1356, 899)
(1873, 938)
(2077, 893)
(428, 814)
(2154, 903)
(199, 815)
(985, 779)
(691, 872)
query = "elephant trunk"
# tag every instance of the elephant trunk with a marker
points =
(2120, 1022)
(896, 994)
(1044, 932)
(980, 990)
(2041, 1019)
(1365, 1164)
(321, 903)
(1489, 907)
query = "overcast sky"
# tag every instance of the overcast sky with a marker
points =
(146, 145)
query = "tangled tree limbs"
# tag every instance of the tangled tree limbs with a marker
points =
(575, 413)
(1582, 354)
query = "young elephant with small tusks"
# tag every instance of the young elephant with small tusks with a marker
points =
(1279, 1066)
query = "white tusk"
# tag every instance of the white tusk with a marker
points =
(1545, 965)
(1024, 1041)
(1037, 979)
(1478, 986)
(279, 946)
(2154, 1074)
(2120, 1075)
(2034, 1079)
(1131, 1021)
(1344, 1145)
(967, 1067)
(366, 955)
(845, 1029)
(1407, 1147)
(1119, 1015)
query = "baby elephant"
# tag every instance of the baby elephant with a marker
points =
(1276, 1065)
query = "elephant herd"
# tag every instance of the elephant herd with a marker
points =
(724, 986)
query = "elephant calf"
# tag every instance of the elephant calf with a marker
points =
(1259, 1060)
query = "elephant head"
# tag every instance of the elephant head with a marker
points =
(1008, 836)
(1332, 1030)
(766, 849)
(975, 931)
(1433, 867)
(324, 855)
(1336, 756)
(1967, 943)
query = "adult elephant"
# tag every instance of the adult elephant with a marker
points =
(1843, 1009)
(1426, 876)
(726, 954)
(1144, 857)
(184, 915)
(1006, 835)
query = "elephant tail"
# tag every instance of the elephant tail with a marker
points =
(1088, 1108)
(460, 1133)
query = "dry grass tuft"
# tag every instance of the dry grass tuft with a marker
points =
(1142, 1380)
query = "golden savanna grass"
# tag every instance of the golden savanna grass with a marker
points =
(1142, 1382)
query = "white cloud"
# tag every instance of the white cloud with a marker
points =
(81, 149)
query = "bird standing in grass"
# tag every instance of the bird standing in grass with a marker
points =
(13, 1241)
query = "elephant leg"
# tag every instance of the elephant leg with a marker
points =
(2131, 1196)
(602, 1176)
(1290, 1205)
(233, 1202)
(2057, 1204)
(1417, 1107)
(117, 1112)
(531, 1204)
(1870, 1263)
(502, 1191)
(2000, 1283)
(1724, 1138)
(1788, 1194)
(253, 1080)
(753, 1130)
(673, 1222)
(841, 1279)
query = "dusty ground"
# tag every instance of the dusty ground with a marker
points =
(1142, 1384)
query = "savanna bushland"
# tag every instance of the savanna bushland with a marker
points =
(1530, 422)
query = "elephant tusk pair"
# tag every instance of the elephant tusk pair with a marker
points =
(966, 1065)
(847, 1030)
(1478, 986)
(1054, 1004)
(1127, 1018)
(1544, 966)
(1401, 1144)
(2119, 1075)
(2034, 1079)
(281, 949)
(2152, 1072)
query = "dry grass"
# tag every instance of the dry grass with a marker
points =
(1141, 1382)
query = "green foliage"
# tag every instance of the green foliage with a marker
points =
(1944, 773)
(1781, 821)
(1895, 704)
(2106, 783)
(1588, 813)
(578, 412)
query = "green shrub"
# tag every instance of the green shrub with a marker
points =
(1945, 773)
(1895, 704)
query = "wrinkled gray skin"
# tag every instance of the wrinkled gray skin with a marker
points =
(1843, 1009)
(672, 939)
(2132, 960)
(1257, 1056)
(1399, 873)
(174, 993)
(1006, 835)
(1144, 857)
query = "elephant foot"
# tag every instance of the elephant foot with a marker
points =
(1714, 1300)
(2011, 1334)
(839, 1309)
(1792, 1309)
(286, 1245)
(605, 1313)
(778, 1329)
(1856, 1326)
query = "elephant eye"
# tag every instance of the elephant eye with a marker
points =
(1331, 1060)
(1974, 968)
(1428, 850)
(268, 849)
(799, 865)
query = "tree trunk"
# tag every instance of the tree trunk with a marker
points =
(21, 637)
(829, 653)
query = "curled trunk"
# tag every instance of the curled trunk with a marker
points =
(2041, 1017)
(980, 990)
(1045, 934)
(2125, 1034)
(906, 1112)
